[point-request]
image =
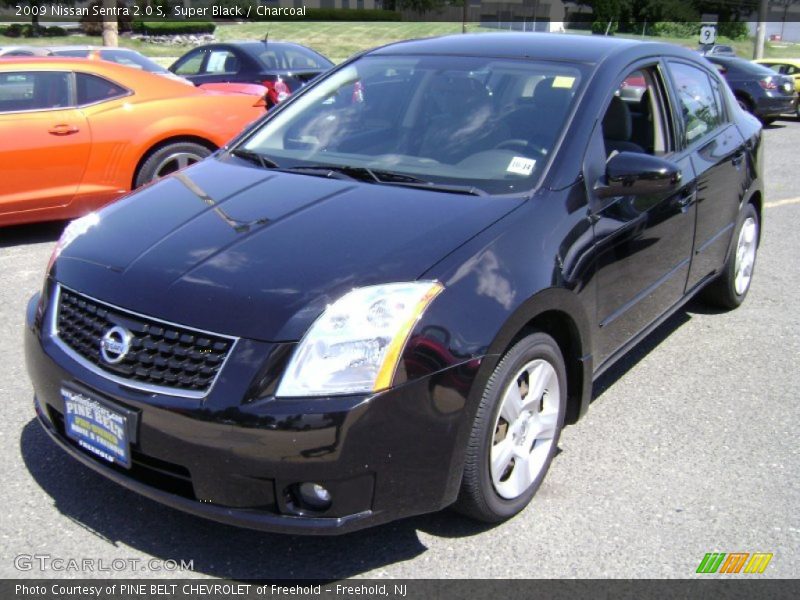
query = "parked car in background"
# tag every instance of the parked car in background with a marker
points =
(122, 56)
(76, 134)
(758, 89)
(716, 50)
(12, 51)
(391, 294)
(789, 67)
(282, 67)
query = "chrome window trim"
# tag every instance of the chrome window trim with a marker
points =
(128, 383)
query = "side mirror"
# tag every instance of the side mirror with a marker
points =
(635, 174)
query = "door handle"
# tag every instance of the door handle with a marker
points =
(63, 129)
(687, 199)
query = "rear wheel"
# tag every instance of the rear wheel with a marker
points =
(170, 158)
(730, 288)
(516, 431)
(743, 104)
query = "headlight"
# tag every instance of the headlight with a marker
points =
(72, 231)
(355, 345)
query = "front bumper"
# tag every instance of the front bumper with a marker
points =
(383, 456)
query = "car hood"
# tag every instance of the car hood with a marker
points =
(253, 253)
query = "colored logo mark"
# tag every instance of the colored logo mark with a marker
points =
(734, 562)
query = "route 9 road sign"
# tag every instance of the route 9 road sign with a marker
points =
(708, 34)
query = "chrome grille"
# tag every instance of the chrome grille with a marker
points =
(162, 356)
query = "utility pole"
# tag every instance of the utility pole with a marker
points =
(761, 29)
(110, 27)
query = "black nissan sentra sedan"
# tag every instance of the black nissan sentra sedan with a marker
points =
(390, 294)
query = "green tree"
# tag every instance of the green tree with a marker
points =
(608, 14)
(421, 6)
(32, 4)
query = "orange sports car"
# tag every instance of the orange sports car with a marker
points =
(76, 134)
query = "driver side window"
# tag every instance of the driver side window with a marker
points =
(636, 119)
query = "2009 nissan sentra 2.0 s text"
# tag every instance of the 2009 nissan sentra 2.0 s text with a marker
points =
(390, 294)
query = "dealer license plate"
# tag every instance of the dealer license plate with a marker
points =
(96, 427)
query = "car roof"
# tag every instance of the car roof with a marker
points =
(256, 43)
(252, 45)
(86, 47)
(120, 73)
(739, 65)
(546, 46)
(66, 62)
(728, 60)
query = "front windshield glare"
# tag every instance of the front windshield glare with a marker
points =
(461, 121)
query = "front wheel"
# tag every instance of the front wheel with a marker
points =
(516, 431)
(730, 288)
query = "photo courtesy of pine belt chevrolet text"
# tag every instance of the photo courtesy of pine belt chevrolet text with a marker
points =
(390, 293)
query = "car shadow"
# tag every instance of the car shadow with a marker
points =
(118, 516)
(37, 233)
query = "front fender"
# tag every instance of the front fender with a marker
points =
(532, 267)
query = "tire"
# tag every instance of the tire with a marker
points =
(744, 104)
(767, 120)
(729, 290)
(168, 159)
(496, 496)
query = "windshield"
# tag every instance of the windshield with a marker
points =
(461, 121)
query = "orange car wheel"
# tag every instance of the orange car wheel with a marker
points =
(170, 158)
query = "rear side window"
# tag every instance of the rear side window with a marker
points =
(93, 89)
(222, 61)
(40, 90)
(699, 104)
(279, 57)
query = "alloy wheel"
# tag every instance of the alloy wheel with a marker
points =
(175, 162)
(745, 255)
(525, 429)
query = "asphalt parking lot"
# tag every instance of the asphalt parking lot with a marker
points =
(690, 446)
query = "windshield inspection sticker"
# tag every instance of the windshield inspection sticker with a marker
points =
(521, 165)
(563, 81)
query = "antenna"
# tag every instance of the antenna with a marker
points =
(266, 38)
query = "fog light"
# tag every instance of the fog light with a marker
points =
(314, 496)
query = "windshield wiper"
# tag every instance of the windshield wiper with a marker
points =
(333, 172)
(368, 175)
(467, 190)
(254, 157)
